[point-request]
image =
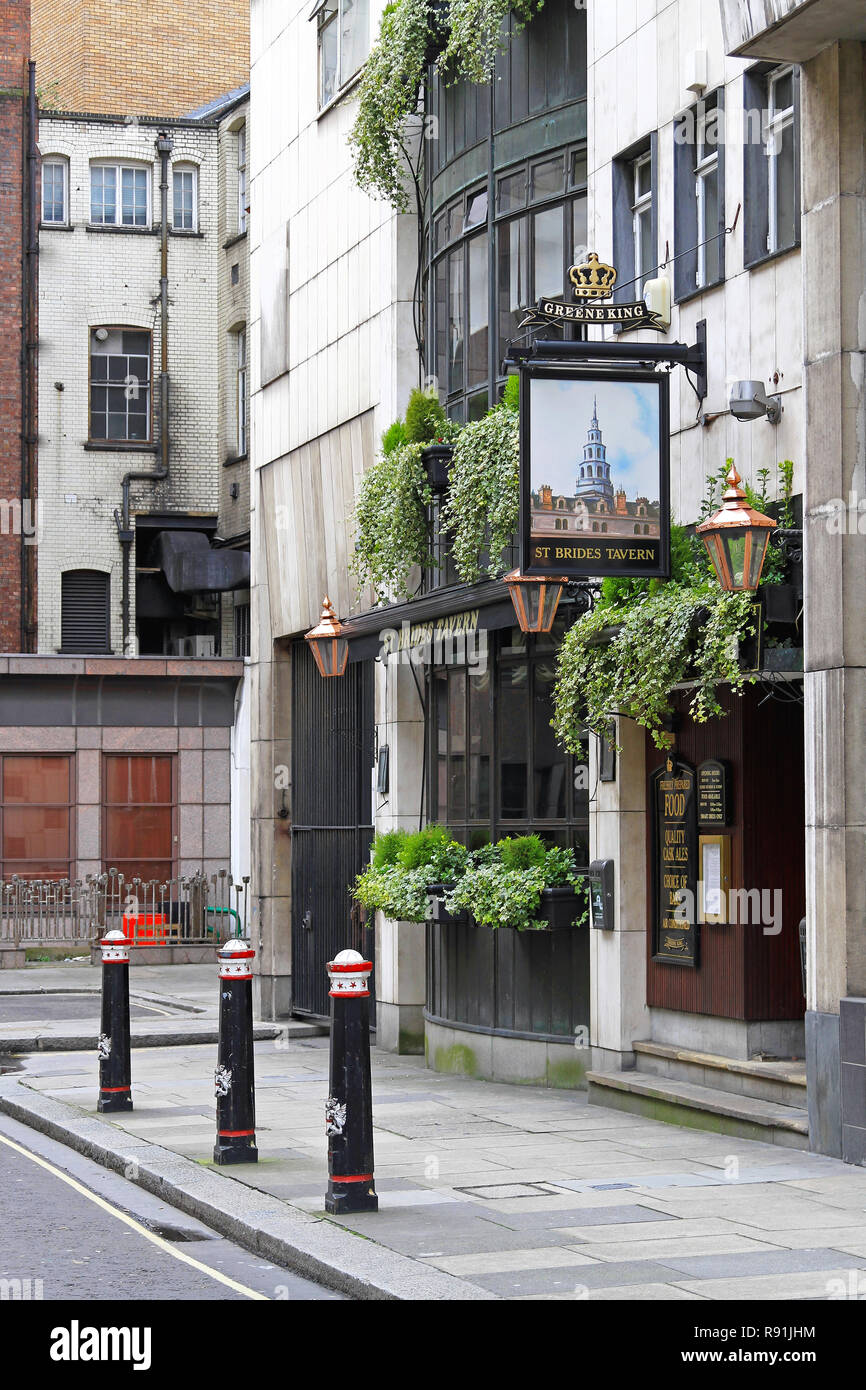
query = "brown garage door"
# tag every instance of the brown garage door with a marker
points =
(138, 829)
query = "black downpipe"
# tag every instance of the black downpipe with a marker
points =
(164, 145)
(29, 346)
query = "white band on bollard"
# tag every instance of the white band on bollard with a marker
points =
(234, 958)
(349, 973)
(115, 949)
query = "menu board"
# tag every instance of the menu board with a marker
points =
(714, 793)
(675, 860)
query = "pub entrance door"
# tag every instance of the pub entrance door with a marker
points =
(332, 815)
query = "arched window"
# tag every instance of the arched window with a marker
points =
(185, 198)
(637, 530)
(85, 614)
(55, 191)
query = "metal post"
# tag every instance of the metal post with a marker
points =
(349, 1107)
(115, 1077)
(234, 1081)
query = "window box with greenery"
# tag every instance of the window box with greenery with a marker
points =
(522, 884)
(402, 868)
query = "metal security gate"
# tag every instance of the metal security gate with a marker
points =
(332, 760)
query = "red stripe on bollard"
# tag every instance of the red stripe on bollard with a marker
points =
(356, 1177)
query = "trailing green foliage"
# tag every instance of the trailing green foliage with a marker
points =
(655, 642)
(391, 521)
(411, 35)
(483, 504)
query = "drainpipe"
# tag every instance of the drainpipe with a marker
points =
(126, 534)
(30, 342)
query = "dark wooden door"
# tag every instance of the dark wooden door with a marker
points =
(331, 812)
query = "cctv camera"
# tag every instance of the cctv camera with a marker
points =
(748, 401)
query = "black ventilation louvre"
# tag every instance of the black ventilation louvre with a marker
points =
(85, 616)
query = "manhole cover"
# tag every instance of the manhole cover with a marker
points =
(57, 1008)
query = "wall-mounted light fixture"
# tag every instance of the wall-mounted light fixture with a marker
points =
(329, 647)
(736, 537)
(748, 401)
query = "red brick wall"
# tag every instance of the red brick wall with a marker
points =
(14, 54)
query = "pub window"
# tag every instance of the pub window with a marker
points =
(497, 768)
(699, 196)
(35, 820)
(55, 192)
(119, 385)
(771, 154)
(85, 612)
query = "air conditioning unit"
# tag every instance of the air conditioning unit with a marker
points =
(192, 646)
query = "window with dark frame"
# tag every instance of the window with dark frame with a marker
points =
(635, 218)
(35, 812)
(771, 161)
(539, 227)
(496, 768)
(120, 385)
(699, 197)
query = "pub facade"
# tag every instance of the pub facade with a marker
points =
(638, 141)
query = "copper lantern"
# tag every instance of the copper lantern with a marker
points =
(535, 600)
(329, 646)
(736, 537)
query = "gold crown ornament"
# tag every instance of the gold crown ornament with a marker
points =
(592, 279)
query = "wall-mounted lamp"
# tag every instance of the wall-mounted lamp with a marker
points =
(748, 401)
(329, 647)
(535, 600)
(736, 537)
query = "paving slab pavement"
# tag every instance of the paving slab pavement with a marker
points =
(486, 1191)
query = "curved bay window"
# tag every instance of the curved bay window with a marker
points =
(508, 207)
(496, 768)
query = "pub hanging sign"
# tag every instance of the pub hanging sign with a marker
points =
(594, 471)
(675, 863)
(592, 283)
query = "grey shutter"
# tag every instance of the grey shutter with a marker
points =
(85, 624)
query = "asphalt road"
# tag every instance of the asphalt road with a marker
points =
(89, 1234)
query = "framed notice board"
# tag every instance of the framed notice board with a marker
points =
(673, 808)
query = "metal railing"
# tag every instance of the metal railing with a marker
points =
(197, 909)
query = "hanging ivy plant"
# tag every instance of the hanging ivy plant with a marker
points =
(654, 643)
(391, 521)
(483, 503)
(413, 34)
(388, 96)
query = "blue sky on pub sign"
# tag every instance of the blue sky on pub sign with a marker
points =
(628, 417)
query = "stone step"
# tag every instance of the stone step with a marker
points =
(781, 1082)
(699, 1107)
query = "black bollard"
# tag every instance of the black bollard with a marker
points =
(115, 1076)
(349, 1107)
(234, 1079)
